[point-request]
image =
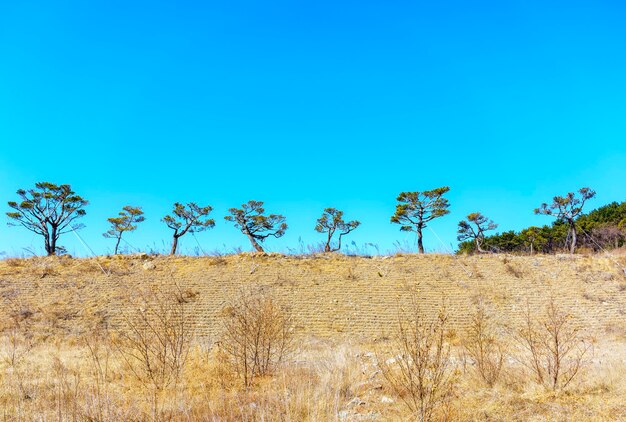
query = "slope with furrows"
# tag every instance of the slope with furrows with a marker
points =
(329, 295)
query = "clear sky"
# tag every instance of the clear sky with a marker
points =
(310, 104)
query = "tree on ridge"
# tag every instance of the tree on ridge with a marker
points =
(416, 209)
(189, 218)
(331, 222)
(127, 221)
(256, 226)
(48, 210)
(474, 228)
(567, 208)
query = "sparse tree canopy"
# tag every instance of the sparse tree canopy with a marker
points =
(256, 226)
(474, 228)
(331, 222)
(567, 208)
(189, 218)
(127, 221)
(48, 210)
(416, 209)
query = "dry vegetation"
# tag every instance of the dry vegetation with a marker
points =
(258, 337)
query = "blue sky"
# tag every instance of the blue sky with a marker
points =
(310, 104)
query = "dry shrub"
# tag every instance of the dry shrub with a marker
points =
(420, 372)
(514, 270)
(257, 335)
(553, 346)
(14, 262)
(484, 346)
(155, 341)
(319, 387)
(16, 345)
(66, 387)
(98, 400)
(352, 275)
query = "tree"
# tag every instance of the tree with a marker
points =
(416, 209)
(477, 234)
(190, 218)
(567, 208)
(332, 221)
(48, 210)
(532, 236)
(256, 226)
(127, 221)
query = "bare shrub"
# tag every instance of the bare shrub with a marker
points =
(484, 346)
(66, 385)
(155, 341)
(257, 335)
(514, 270)
(98, 402)
(419, 371)
(553, 346)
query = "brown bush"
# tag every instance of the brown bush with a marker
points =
(484, 345)
(155, 341)
(257, 335)
(553, 346)
(419, 371)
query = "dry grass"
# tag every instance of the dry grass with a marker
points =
(323, 381)
(63, 338)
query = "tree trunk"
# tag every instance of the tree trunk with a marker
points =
(420, 245)
(572, 246)
(327, 246)
(46, 240)
(478, 248)
(338, 244)
(52, 244)
(174, 245)
(117, 245)
(254, 243)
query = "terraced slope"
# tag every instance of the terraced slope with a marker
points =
(329, 295)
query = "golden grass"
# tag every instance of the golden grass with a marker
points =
(52, 366)
(324, 381)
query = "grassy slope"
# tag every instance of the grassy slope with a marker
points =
(340, 305)
(329, 295)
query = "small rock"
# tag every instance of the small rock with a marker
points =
(385, 399)
(374, 374)
(149, 266)
(355, 402)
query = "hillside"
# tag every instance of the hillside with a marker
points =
(330, 296)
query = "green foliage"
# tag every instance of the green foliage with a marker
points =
(416, 209)
(188, 219)
(604, 227)
(332, 221)
(48, 210)
(474, 228)
(127, 221)
(256, 226)
(567, 208)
